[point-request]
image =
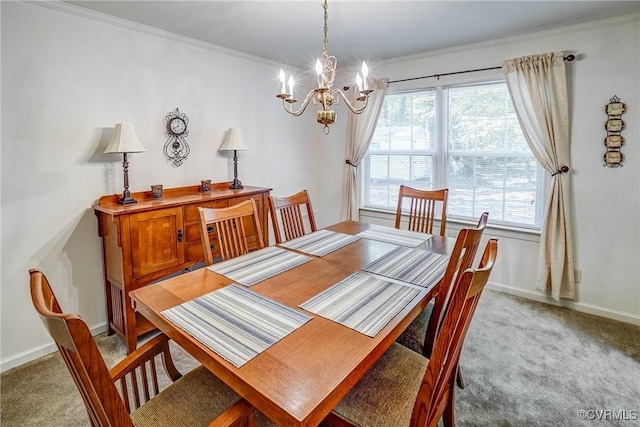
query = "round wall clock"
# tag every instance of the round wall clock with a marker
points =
(176, 148)
(177, 126)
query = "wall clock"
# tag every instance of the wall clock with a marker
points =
(176, 148)
(614, 125)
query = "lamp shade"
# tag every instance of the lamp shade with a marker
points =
(234, 141)
(124, 140)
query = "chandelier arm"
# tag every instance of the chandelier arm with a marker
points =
(302, 107)
(353, 109)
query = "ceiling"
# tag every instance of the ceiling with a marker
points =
(290, 32)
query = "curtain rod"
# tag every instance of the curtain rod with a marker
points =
(566, 58)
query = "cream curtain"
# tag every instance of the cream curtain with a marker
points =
(360, 130)
(538, 88)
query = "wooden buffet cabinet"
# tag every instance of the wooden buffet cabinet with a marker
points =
(146, 241)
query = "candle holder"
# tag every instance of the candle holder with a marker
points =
(156, 191)
(205, 185)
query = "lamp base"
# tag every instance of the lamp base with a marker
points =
(127, 200)
(236, 184)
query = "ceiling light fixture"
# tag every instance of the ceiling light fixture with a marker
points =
(324, 95)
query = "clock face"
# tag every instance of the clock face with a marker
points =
(177, 126)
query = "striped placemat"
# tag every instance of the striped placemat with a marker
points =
(395, 236)
(235, 322)
(361, 302)
(259, 265)
(321, 242)
(415, 266)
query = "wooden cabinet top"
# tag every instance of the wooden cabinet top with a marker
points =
(172, 197)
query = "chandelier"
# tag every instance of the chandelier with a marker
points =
(324, 95)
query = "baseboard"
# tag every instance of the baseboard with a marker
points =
(44, 350)
(583, 308)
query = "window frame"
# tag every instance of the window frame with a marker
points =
(442, 152)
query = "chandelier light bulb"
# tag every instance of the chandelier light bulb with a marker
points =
(365, 73)
(291, 86)
(282, 80)
(359, 81)
(319, 73)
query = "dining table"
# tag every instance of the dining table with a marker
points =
(300, 376)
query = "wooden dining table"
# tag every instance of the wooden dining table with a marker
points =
(299, 379)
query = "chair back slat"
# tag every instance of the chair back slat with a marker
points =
(231, 226)
(435, 394)
(461, 258)
(286, 216)
(422, 209)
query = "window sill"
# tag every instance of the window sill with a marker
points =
(385, 217)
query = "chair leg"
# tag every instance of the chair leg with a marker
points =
(448, 417)
(459, 380)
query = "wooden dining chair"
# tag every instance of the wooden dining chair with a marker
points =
(422, 209)
(286, 216)
(233, 226)
(128, 394)
(405, 388)
(420, 335)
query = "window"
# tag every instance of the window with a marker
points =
(466, 138)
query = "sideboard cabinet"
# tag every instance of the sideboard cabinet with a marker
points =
(146, 241)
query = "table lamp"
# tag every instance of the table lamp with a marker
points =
(234, 141)
(125, 141)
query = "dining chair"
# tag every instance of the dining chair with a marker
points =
(129, 393)
(405, 388)
(420, 335)
(232, 226)
(290, 220)
(422, 208)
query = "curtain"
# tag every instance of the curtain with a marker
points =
(538, 88)
(360, 130)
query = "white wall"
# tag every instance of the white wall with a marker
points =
(66, 80)
(605, 201)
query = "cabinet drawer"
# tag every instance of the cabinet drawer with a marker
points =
(192, 233)
(191, 211)
(194, 252)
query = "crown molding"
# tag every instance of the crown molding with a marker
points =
(71, 9)
(585, 26)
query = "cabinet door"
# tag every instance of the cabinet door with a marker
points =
(157, 240)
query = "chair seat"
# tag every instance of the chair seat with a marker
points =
(385, 396)
(196, 399)
(413, 336)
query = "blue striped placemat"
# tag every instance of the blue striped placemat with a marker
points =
(321, 242)
(235, 322)
(259, 265)
(395, 236)
(361, 302)
(415, 266)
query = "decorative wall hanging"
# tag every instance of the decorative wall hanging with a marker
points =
(176, 148)
(614, 125)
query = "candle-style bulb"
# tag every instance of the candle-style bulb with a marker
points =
(359, 81)
(319, 73)
(365, 73)
(291, 85)
(282, 80)
(365, 69)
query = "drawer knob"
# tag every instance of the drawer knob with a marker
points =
(210, 229)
